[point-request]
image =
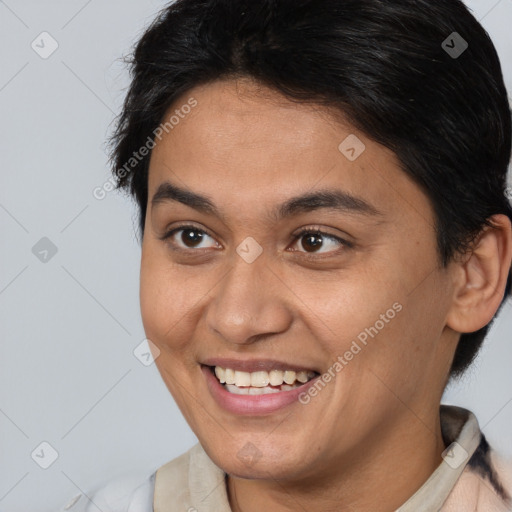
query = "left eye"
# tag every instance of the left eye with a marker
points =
(312, 240)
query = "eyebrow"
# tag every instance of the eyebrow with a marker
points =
(332, 199)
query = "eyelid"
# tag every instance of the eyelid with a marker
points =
(171, 231)
(317, 230)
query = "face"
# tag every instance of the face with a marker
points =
(271, 253)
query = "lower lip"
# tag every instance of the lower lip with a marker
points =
(252, 404)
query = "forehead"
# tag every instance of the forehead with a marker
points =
(246, 116)
(242, 139)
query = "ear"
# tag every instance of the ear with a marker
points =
(481, 277)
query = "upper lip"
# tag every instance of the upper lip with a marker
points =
(254, 365)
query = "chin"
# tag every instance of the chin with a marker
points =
(249, 460)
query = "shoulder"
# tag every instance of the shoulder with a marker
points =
(191, 481)
(178, 480)
(502, 481)
(486, 483)
(134, 491)
(129, 492)
(178, 467)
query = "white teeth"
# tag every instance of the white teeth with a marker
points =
(229, 375)
(236, 390)
(289, 377)
(258, 382)
(242, 378)
(221, 374)
(259, 379)
(302, 376)
(276, 377)
(250, 391)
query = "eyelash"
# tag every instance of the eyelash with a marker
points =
(298, 236)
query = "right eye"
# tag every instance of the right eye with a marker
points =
(191, 238)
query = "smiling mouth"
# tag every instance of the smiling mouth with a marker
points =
(260, 382)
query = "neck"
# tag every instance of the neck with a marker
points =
(369, 482)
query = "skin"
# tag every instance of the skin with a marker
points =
(249, 149)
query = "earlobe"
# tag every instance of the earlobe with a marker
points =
(481, 278)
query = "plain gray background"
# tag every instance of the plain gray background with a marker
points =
(70, 324)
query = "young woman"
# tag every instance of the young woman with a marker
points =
(326, 238)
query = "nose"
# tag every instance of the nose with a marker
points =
(249, 303)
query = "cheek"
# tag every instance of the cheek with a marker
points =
(373, 322)
(173, 298)
(407, 357)
(163, 303)
(348, 306)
